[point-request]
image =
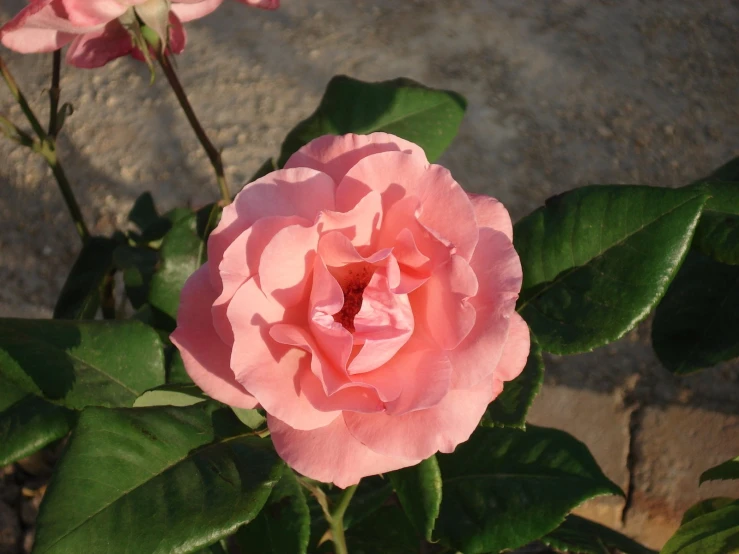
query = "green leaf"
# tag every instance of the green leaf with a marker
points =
(419, 491)
(283, 526)
(80, 296)
(176, 372)
(597, 259)
(428, 117)
(251, 418)
(505, 488)
(144, 212)
(155, 480)
(138, 265)
(729, 172)
(171, 395)
(583, 536)
(728, 470)
(385, 531)
(78, 364)
(509, 409)
(183, 251)
(697, 323)
(717, 234)
(710, 527)
(28, 423)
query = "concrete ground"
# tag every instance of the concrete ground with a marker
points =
(561, 93)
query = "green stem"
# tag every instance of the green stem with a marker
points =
(336, 521)
(46, 146)
(55, 93)
(213, 154)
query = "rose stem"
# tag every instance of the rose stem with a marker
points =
(46, 146)
(54, 93)
(337, 520)
(213, 154)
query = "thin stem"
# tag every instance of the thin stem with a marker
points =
(55, 93)
(336, 522)
(18, 95)
(213, 154)
(46, 146)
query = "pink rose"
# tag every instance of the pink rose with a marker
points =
(95, 29)
(364, 300)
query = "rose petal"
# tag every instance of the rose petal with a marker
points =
(330, 454)
(299, 192)
(268, 369)
(444, 206)
(335, 156)
(498, 269)
(39, 28)
(206, 358)
(422, 433)
(490, 213)
(189, 11)
(442, 305)
(516, 350)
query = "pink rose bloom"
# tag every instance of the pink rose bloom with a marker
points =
(364, 300)
(93, 29)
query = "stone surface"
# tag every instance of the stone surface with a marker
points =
(561, 94)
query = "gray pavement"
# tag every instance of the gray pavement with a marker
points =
(561, 93)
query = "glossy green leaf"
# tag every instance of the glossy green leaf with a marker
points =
(582, 536)
(138, 264)
(728, 470)
(155, 480)
(717, 234)
(28, 423)
(253, 419)
(597, 259)
(710, 527)
(283, 526)
(509, 409)
(425, 116)
(505, 488)
(171, 395)
(385, 531)
(78, 364)
(80, 296)
(697, 323)
(183, 251)
(176, 372)
(371, 494)
(419, 491)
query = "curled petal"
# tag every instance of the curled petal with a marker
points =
(421, 433)
(189, 11)
(206, 357)
(335, 156)
(490, 213)
(330, 454)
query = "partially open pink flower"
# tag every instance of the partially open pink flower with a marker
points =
(364, 300)
(95, 29)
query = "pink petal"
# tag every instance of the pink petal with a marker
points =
(268, 369)
(206, 357)
(356, 398)
(289, 192)
(189, 11)
(96, 49)
(490, 213)
(264, 4)
(384, 323)
(442, 304)
(330, 454)
(38, 28)
(241, 262)
(86, 13)
(286, 263)
(177, 35)
(417, 377)
(499, 275)
(445, 208)
(336, 155)
(422, 433)
(358, 224)
(516, 350)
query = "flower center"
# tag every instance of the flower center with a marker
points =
(353, 280)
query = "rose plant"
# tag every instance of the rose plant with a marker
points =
(341, 358)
